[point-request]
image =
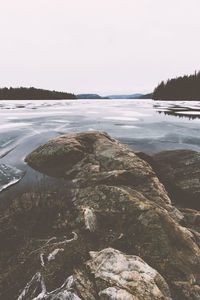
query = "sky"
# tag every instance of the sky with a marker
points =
(97, 46)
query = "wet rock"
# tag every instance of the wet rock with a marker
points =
(179, 171)
(119, 276)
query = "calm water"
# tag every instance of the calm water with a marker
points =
(144, 125)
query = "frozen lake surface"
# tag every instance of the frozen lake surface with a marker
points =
(144, 125)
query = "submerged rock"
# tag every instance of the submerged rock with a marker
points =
(179, 171)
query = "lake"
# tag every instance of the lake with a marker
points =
(144, 125)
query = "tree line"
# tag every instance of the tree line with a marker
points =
(32, 94)
(180, 88)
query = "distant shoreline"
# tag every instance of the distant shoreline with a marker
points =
(33, 94)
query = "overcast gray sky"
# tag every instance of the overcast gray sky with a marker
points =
(102, 46)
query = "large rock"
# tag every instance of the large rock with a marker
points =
(179, 170)
(116, 201)
(94, 158)
(119, 276)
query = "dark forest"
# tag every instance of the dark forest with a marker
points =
(32, 94)
(180, 88)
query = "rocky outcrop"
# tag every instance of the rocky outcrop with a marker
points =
(179, 170)
(110, 275)
(118, 209)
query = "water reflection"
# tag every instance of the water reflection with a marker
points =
(182, 110)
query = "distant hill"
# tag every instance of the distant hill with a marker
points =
(90, 96)
(134, 96)
(32, 94)
(146, 96)
(180, 88)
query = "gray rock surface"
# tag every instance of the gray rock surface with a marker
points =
(116, 201)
